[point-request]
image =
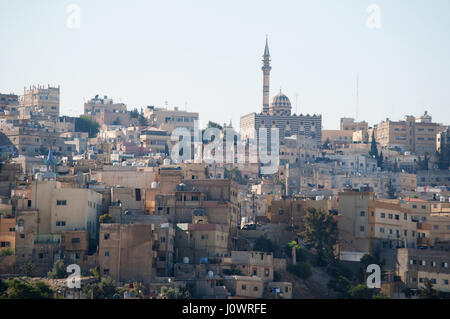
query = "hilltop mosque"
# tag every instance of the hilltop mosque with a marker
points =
(278, 113)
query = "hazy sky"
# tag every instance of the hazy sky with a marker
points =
(207, 55)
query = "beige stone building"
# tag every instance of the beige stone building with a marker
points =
(366, 224)
(63, 208)
(253, 263)
(349, 124)
(414, 134)
(198, 241)
(244, 287)
(126, 252)
(414, 266)
(42, 100)
(168, 120)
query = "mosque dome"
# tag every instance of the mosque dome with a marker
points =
(280, 105)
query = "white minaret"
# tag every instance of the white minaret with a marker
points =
(266, 76)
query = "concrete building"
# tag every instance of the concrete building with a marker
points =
(201, 242)
(244, 287)
(126, 252)
(106, 112)
(349, 124)
(415, 265)
(167, 120)
(414, 134)
(41, 99)
(253, 263)
(63, 208)
(156, 140)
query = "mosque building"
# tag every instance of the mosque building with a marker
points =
(278, 113)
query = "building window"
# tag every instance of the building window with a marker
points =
(382, 230)
(383, 215)
(61, 203)
(106, 253)
(106, 271)
(75, 240)
(362, 213)
(106, 236)
(397, 217)
(361, 228)
(391, 216)
(255, 288)
(244, 287)
(61, 223)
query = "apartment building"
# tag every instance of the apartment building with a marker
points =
(62, 207)
(244, 287)
(105, 112)
(168, 120)
(414, 134)
(349, 124)
(291, 211)
(391, 225)
(253, 263)
(298, 149)
(156, 140)
(42, 100)
(200, 242)
(126, 252)
(415, 265)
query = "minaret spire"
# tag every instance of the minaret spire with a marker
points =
(266, 77)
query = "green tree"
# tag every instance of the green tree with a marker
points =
(373, 147)
(6, 252)
(341, 285)
(327, 144)
(27, 269)
(380, 160)
(105, 218)
(142, 119)
(263, 243)
(139, 289)
(87, 125)
(361, 291)
(301, 270)
(300, 254)
(134, 114)
(422, 164)
(108, 287)
(175, 293)
(3, 287)
(321, 232)
(215, 125)
(23, 290)
(444, 156)
(96, 272)
(390, 189)
(58, 271)
(428, 292)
